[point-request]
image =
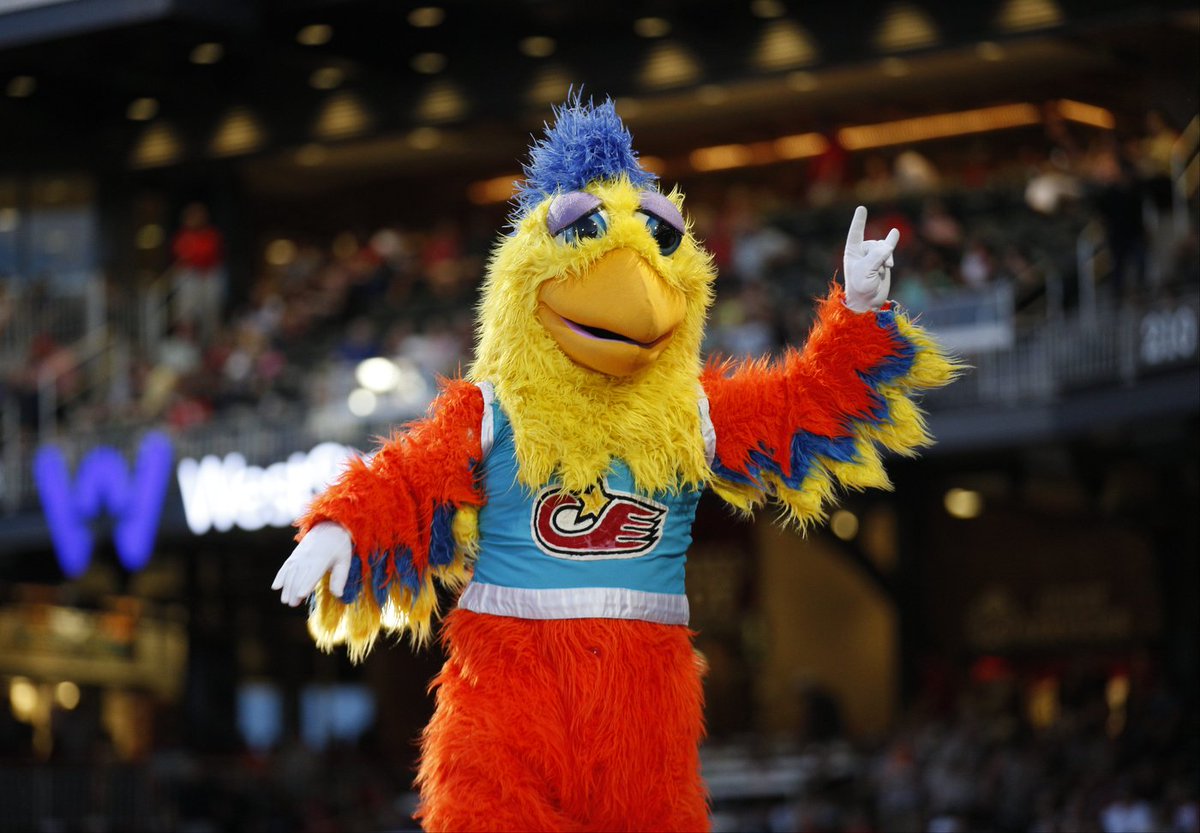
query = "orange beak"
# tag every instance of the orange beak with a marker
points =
(616, 318)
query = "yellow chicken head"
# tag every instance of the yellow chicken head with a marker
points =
(593, 312)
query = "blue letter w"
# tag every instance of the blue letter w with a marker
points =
(104, 484)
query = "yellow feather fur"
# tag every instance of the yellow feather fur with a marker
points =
(572, 422)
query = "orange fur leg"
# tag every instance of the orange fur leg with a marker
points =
(575, 725)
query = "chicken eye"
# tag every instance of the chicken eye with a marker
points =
(665, 235)
(590, 225)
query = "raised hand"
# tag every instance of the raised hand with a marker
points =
(325, 549)
(867, 265)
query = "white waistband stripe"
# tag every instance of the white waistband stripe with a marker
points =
(576, 603)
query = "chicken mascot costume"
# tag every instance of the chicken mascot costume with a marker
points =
(556, 485)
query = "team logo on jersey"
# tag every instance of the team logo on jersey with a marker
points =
(600, 524)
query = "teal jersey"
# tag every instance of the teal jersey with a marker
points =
(546, 554)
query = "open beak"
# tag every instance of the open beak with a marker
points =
(615, 318)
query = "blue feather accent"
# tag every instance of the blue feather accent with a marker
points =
(441, 553)
(441, 537)
(354, 580)
(807, 448)
(588, 142)
(379, 579)
(406, 571)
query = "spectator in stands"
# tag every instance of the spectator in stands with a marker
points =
(978, 264)
(199, 276)
(178, 358)
(358, 343)
(939, 228)
(877, 183)
(1118, 200)
(915, 174)
(1154, 156)
(827, 172)
(758, 247)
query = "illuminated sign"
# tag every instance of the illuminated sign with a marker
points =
(104, 484)
(218, 494)
(223, 493)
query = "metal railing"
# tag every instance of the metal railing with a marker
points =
(1047, 361)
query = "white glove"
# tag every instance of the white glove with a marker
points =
(867, 265)
(326, 548)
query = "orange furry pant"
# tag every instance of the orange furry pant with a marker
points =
(564, 725)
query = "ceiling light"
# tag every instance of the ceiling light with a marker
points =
(239, 132)
(311, 155)
(443, 101)
(142, 109)
(341, 116)
(802, 82)
(784, 44)
(425, 138)
(1086, 114)
(159, 145)
(428, 63)
(1024, 15)
(989, 51)
(963, 503)
(21, 86)
(767, 9)
(315, 34)
(22, 698)
(801, 146)
(844, 524)
(651, 27)
(206, 53)
(494, 190)
(426, 17)
(66, 694)
(719, 157)
(327, 78)
(940, 126)
(280, 252)
(669, 65)
(550, 85)
(537, 46)
(905, 27)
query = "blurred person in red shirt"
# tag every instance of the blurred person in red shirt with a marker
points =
(199, 274)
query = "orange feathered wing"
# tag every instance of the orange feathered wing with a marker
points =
(411, 514)
(795, 429)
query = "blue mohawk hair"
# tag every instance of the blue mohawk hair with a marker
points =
(587, 142)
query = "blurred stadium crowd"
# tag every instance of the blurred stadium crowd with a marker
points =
(986, 217)
(1116, 756)
(289, 347)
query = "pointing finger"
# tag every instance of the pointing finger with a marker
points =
(893, 238)
(858, 226)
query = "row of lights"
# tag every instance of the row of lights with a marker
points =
(964, 504)
(904, 27)
(854, 138)
(24, 697)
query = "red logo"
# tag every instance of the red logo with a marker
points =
(600, 524)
